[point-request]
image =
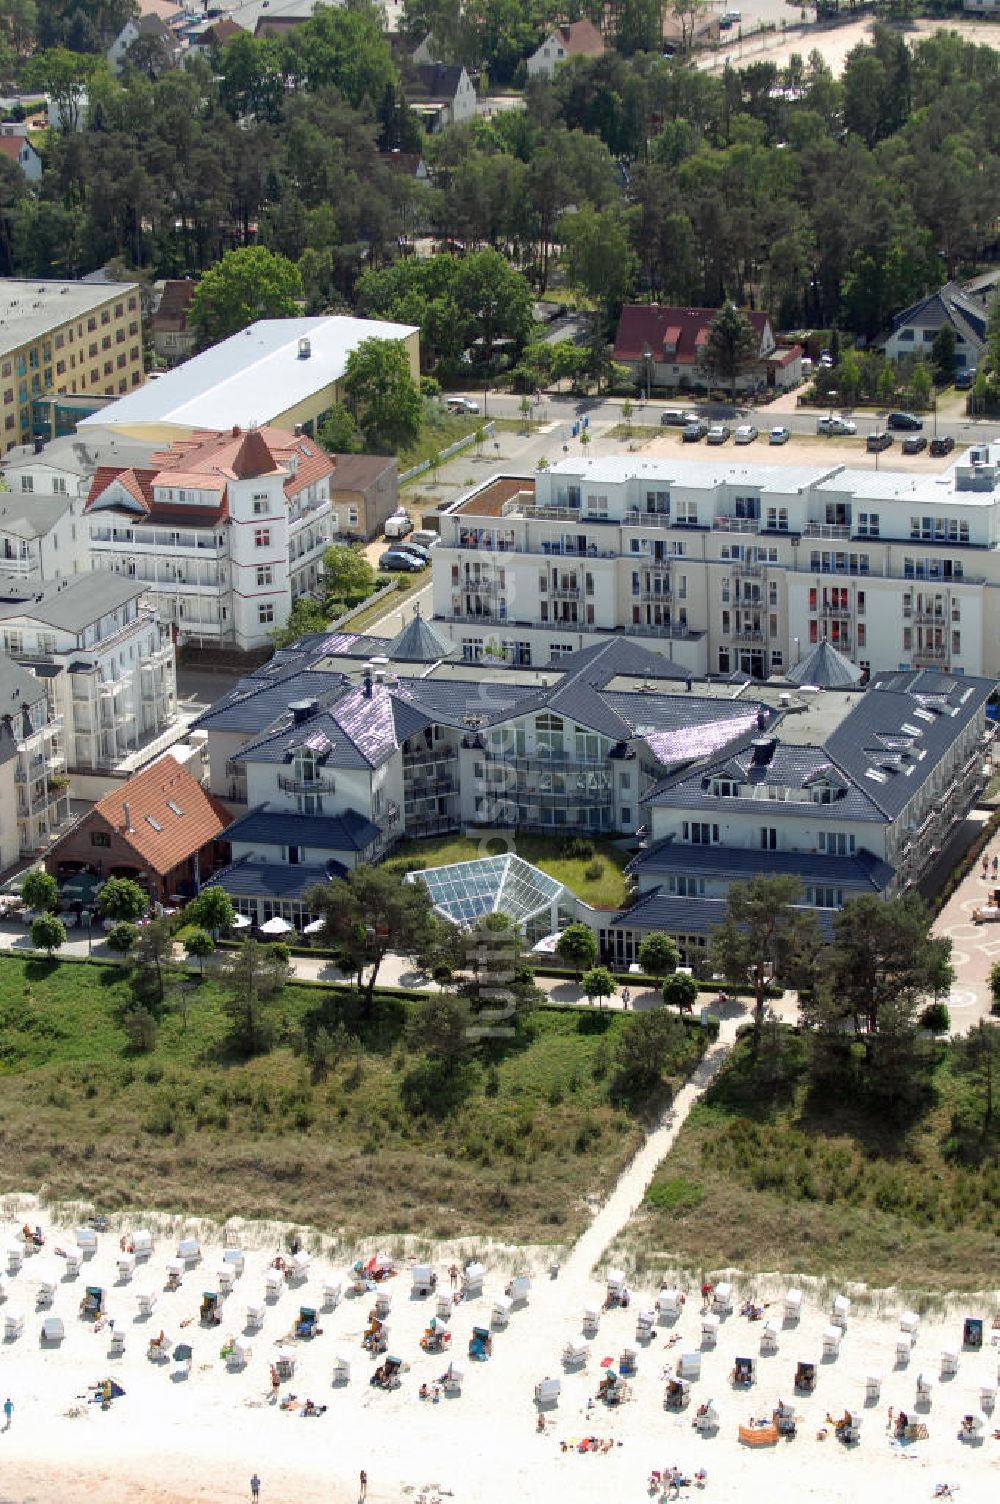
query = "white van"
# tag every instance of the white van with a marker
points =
(398, 525)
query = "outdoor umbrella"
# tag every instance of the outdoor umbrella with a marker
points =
(275, 926)
(182, 1352)
(241, 922)
(314, 927)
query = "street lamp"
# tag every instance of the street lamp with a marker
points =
(647, 360)
(87, 918)
(798, 650)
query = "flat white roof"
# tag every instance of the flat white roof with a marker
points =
(250, 378)
(28, 310)
(707, 474)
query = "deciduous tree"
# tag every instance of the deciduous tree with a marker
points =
(385, 397)
(577, 946)
(39, 891)
(368, 914)
(247, 284)
(121, 898)
(658, 955)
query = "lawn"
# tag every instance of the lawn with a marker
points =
(606, 891)
(533, 1132)
(368, 619)
(439, 429)
(765, 1178)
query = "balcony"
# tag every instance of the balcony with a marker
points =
(565, 592)
(927, 657)
(827, 530)
(289, 784)
(746, 568)
(746, 634)
(429, 787)
(836, 613)
(429, 758)
(736, 524)
(928, 618)
(417, 826)
(649, 519)
(650, 593)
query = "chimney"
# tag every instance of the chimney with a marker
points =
(302, 710)
(305, 348)
(368, 684)
(236, 430)
(298, 430)
(128, 816)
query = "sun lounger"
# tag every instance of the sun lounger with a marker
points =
(86, 1241)
(472, 1280)
(422, 1279)
(925, 1389)
(710, 1329)
(576, 1352)
(759, 1436)
(331, 1293)
(274, 1283)
(189, 1251)
(904, 1348)
(831, 1341)
(53, 1329)
(126, 1267)
(793, 1304)
(502, 1307)
(769, 1334)
(949, 1362)
(689, 1366)
(142, 1243)
(909, 1322)
(341, 1369)
(445, 1302)
(841, 1310)
(454, 1378)
(239, 1354)
(873, 1388)
(255, 1316)
(722, 1298)
(591, 1320)
(236, 1260)
(547, 1392)
(668, 1304)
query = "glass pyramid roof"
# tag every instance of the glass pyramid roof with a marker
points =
(490, 885)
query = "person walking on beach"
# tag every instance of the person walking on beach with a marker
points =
(363, 1490)
(8, 1411)
(255, 1487)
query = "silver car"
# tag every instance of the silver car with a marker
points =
(745, 434)
(779, 435)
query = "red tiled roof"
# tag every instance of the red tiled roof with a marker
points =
(253, 458)
(11, 146)
(787, 356)
(581, 39)
(648, 326)
(149, 795)
(138, 484)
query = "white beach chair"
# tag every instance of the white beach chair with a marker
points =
(421, 1280)
(86, 1241)
(341, 1369)
(591, 1320)
(72, 1263)
(520, 1289)
(909, 1322)
(925, 1389)
(616, 1286)
(225, 1278)
(576, 1352)
(175, 1273)
(832, 1336)
(383, 1304)
(239, 1354)
(116, 1346)
(454, 1378)
(689, 1366)
(852, 1432)
(145, 1302)
(668, 1304)
(645, 1325)
(722, 1298)
(502, 1307)
(628, 1361)
(793, 1304)
(126, 1267)
(53, 1329)
(15, 1257)
(331, 1293)
(4, 1288)
(298, 1267)
(189, 1251)
(472, 1280)
(904, 1349)
(284, 1362)
(445, 1303)
(971, 1429)
(706, 1419)
(236, 1259)
(769, 1334)
(710, 1329)
(47, 1282)
(873, 1388)
(841, 1310)
(987, 1397)
(548, 1392)
(255, 1316)
(13, 1324)
(274, 1283)
(158, 1348)
(142, 1243)
(949, 1362)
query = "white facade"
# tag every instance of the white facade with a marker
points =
(26, 157)
(729, 568)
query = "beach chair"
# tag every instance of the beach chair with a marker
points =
(925, 1389)
(971, 1429)
(158, 1348)
(841, 1310)
(576, 1352)
(445, 1303)
(47, 1283)
(706, 1418)
(645, 1326)
(987, 1397)
(904, 1349)
(307, 1325)
(519, 1289)
(972, 1333)
(235, 1259)
(591, 1320)
(72, 1263)
(116, 1346)
(628, 1362)
(208, 1311)
(239, 1354)
(142, 1243)
(331, 1293)
(53, 1329)
(472, 1280)
(454, 1378)
(189, 1251)
(769, 1334)
(15, 1257)
(850, 1434)
(502, 1307)
(805, 1378)
(255, 1316)
(126, 1267)
(284, 1362)
(175, 1274)
(341, 1369)
(783, 1418)
(873, 1388)
(710, 1329)
(86, 1241)
(909, 1322)
(722, 1298)
(668, 1305)
(744, 1373)
(437, 1336)
(832, 1336)
(383, 1304)
(92, 1304)
(225, 1278)
(689, 1366)
(547, 1392)
(793, 1304)
(677, 1394)
(145, 1302)
(4, 1288)
(615, 1287)
(274, 1283)
(298, 1267)
(480, 1344)
(949, 1363)
(422, 1279)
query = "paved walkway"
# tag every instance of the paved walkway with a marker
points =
(976, 947)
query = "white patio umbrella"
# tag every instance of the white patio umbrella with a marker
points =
(314, 927)
(241, 922)
(276, 926)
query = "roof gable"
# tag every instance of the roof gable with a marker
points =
(674, 335)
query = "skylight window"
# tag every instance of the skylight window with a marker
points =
(923, 715)
(154, 823)
(175, 807)
(876, 775)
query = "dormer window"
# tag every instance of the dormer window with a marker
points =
(822, 794)
(725, 788)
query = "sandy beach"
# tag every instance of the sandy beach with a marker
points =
(171, 1438)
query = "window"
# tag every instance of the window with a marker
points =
(352, 516)
(626, 815)
(768, 838)
(835, 843)
(265, 574)
(100, 838)
(825, 898)
(262, 537)
(27, 483)
(699, 833)
(265, 613)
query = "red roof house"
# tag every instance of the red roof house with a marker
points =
(662, 346)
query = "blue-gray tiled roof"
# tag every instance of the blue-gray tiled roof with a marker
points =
(249, 879)
(863, 870)
(348, 831)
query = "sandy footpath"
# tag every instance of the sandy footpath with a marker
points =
(172, 1439)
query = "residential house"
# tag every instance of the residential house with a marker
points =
(173, 338)
(154, 33)
(730, 566)
(662, 347)
(107, 663)
(271, 17)
(16, 147)
(577, 39)
(34, 793)
(42, 537)
(222, 531)
(914, 329)
(160, 828)
(442, 94)
(214, 36)
(364, 491)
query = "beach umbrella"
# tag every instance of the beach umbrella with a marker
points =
(314, 927)
(182, 1352)
(116, 1390)
(241, 922)
(275, 926)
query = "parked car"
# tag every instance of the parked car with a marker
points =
(675, 417)
(424, 537)
(964, 380)
(462, 405)
(878, 441)
(694, 431)
(904, 422)
(779, 435)
(745, 434)
(834, 425)
(416, 549)
(914, 443)
(396, 559)
(718, 433)
(943, 445)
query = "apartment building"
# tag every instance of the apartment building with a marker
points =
(74, 338)
(729, 568)
(223, 531)
(34, 789)
(106, 663)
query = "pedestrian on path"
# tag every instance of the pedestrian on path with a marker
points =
(363, 1490)
(626, 998)
(255, 1487)
(8, 1411)
(996, 864)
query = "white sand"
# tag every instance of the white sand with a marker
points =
(200, 1438)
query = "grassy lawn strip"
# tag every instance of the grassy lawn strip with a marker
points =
(533, 1128)
(770, 1175)
(365, 620)
(606, 891)
(439, 429)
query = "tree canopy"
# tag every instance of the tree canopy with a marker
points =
(248, 284)
(386, 398)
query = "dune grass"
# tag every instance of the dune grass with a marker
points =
(513, 1144)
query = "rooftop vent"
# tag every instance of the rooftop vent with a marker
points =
(302, 710)
(305, 348)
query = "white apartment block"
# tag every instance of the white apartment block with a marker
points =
(34, 792)
(223, 531)
(729, 568)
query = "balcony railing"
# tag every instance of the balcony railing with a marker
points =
(289, 784)
(826, 530)
(648, 593)
(736, 524)
(648, 519)
(565, 592)
(928, 618)
(746, 634)
(747, 568)
(930, 655)
(836, 613)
